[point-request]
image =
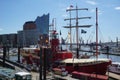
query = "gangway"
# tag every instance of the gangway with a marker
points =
(14, 65)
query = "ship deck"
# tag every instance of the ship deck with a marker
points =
(113, 76)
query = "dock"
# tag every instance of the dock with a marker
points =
(51, 76)
(35, 76)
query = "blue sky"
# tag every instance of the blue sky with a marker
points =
(14, 13)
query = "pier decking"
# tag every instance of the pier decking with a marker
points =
(35, 76)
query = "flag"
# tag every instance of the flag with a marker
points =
(62, 41)
(71, 6)
(83, 31)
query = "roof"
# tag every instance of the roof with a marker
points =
(7, 72)
(72, 60)
(31, 50)
(22, 73)
(117, 63)
(26, 48)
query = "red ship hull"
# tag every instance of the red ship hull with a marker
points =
(100, 68)
(85, 65)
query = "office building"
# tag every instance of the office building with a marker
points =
(8, 40)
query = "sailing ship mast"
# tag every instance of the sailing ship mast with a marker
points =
(70, 26)
(77, 26)
(96, 33)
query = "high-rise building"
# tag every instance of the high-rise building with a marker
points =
(30, 25)
(27, 37)
(42, 24)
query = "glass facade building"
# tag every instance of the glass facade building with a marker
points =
(42, 24)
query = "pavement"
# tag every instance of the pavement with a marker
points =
(51, 76)
(35, 76)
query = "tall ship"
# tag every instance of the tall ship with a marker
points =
(92, 68)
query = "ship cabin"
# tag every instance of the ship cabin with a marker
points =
(23, 76)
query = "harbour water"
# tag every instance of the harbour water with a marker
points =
(112, 57)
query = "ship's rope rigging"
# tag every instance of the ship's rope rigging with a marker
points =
(101, 35)
(88, 39)
(92, 34)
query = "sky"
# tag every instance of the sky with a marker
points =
(14, 13)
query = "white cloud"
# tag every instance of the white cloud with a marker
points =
(64, 15)
(91, 2)
(117, 8)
